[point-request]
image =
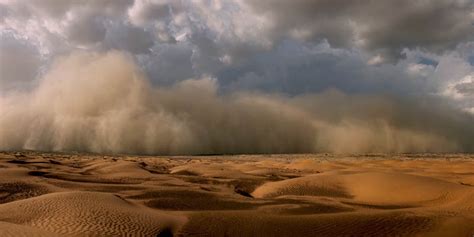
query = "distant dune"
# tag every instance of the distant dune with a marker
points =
(56, 194)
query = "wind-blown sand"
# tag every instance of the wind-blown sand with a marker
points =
(269, 195)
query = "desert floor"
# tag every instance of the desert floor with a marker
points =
(55, 194)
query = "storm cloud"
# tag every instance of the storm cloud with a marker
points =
(384, 26)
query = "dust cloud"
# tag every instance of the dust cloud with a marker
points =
(102, 102)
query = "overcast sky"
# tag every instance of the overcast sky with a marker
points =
(401, 48)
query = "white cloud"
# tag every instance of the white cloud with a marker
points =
(375, 60)
(420, 69)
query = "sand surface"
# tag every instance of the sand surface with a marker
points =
(55, 194)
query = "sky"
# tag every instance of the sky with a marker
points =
(237, 76)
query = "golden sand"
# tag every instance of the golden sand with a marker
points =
(43, 194)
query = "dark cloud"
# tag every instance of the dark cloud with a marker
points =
(127, 37)
(471, 60)
(3, 12)
(58, 9)
(465, 88)
(428, 61)
(385, 26)
(169, 63)
(86, 30)
(296, 68)
(145, 12)
(19, 63)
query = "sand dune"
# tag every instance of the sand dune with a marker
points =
(87, 213)
(369, 187)
(273, 195)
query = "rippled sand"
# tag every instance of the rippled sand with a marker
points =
(268, 195)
